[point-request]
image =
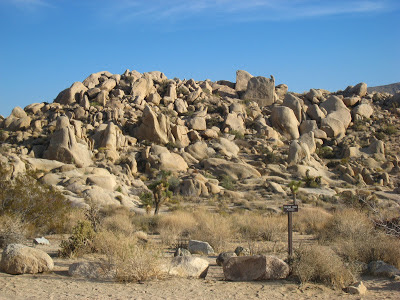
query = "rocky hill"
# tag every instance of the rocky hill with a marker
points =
(389, 88)
(105, 138)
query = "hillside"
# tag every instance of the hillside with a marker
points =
(389, 88)
(105, 138)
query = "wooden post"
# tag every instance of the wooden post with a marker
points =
(290, 234)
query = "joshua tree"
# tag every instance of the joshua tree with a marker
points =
(161, 192)
(294, 188)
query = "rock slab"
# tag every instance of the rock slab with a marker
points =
(258, 267)
(20, 259)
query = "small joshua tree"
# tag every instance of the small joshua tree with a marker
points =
(161, 192)
(294, 188)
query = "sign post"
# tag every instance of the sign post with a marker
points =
(290, 209)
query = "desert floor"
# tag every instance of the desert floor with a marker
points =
(59, 285)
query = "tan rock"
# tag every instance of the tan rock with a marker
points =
(19, 259)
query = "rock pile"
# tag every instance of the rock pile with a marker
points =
(102, 135)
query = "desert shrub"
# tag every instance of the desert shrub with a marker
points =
(146, 223)
(43, 209)
(176, 226)
(390, 129)
(311, 181)
(132, 260)
(325, 152)
(119, 223)
(227, 182)
(310, 220)
(12, 230)
(238, 135)
(80, 242)
(321, 265)
(212, 228)
(253, 226)
(353, 236)
(346, 224)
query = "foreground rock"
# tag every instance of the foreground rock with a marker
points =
(92, 270)
(19, 259)
(382, 269)
(259, 267)
(188, 266)
(200, 247)
(357, 288)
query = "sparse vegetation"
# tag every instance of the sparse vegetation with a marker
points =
(322, 265)
(43, 209)
(227, 182)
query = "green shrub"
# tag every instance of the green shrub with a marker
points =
(43, 209)
(80, 242)
(238, 135)
(312, 182)
(325, 152)
(227, 182)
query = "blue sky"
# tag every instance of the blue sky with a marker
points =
(46, 45)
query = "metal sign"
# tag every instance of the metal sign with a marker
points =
(290, 208)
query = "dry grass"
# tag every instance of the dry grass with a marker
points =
(118, 223)
(12, 230)
(254, 227)
(310, 220)
(132, 260)
(213, 228)
(176, 226)
(353, 236)
(321, 265)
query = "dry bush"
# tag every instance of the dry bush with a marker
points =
(118, 223)
(310, 220)
(353, 236)
(253, 226)
(212, 228)
(175, 226)
(321, 265)
(132, 260)
(146, 223)
(346, 224)
(12, 230)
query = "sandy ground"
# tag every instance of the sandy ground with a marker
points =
(59, 285)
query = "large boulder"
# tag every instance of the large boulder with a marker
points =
(283, 118)
(364, 110)
(142, 87)
(180, 134)
(298, 152)
(242, 79)
(224, 257)
(188, 266)
(259, 267)
(71, 94)
(64, 146)
(260, 90)
(200, 150)
(199, 247)
(296, 104)
(226, 147)
(235, 122)
(380, 268)
(333, 127)
(357, 90)
(235, 170)
(151, 129)
(19, 259)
